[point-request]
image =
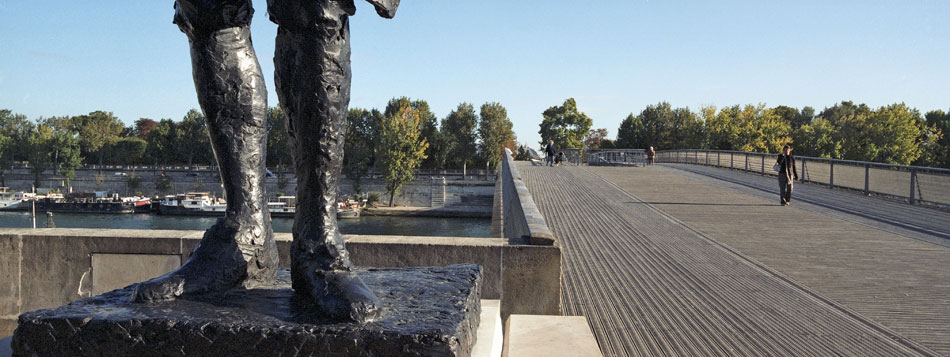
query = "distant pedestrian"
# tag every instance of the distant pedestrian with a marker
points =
(551, 152)
(787, 174)
(651, 154)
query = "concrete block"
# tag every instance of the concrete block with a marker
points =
(489, 339)
(542, 336)
(531, 280)
(114, 271)
(9, 275)
(399, 251)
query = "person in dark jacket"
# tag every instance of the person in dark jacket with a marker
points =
(786, 175)
(551, 152)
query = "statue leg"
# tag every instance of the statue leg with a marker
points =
(240, 248)
(313, 79)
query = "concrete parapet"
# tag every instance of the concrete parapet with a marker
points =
(528, 336)
(45, 268)
(522, 220)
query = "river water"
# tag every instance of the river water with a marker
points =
(369, 225)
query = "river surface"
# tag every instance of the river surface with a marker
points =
(369, 225)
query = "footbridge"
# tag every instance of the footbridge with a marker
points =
(695, 256)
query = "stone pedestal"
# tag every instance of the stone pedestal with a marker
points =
(428, 311)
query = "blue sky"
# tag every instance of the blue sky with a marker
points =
(614, 57)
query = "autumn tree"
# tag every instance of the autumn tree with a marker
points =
(427, 125)
(594, 138)
(564, 124)
(494, 131)
(402, 148)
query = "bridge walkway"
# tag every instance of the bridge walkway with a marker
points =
(675, 260)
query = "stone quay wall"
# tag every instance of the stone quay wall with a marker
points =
(430, 188)
(45, 268)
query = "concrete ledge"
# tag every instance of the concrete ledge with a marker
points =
(489, 339)
(522, 219)
(56, 266)
(542, 336)
(450, 211)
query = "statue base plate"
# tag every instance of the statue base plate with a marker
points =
(430, 311)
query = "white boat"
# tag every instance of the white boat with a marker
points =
(9, 200)
(192, 204)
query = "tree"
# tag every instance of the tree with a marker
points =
(594, 138)
(142, 127)
(427, 126)
(402, 148)
(749, 128)
(935, 141)
(851, 128)
(495, 132)
(362, 130)
(161, 143)
(98, 131)
(817, 139)
(631, 134)
(895, 130)
(17, 128)
(565, 125)
(194, 144)
(126, 151)
(53, 144)
(279, 152)
(459, 132)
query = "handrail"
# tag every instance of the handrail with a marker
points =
(915, 184)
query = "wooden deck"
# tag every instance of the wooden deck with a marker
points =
(691, 260)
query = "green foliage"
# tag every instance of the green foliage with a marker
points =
(662, 127)
(372, 198)
(495, 132)
(631, 134)
(17, 128)
(935, 140)
(98, 131)
(126, 151)
(427, 127)
(53, 144)
(279, 152)
(459, 134)
(565, 125)
(402, 147)
(193, 143)
(817, 139)
(749, 128)
(362, 135)
(522, 153)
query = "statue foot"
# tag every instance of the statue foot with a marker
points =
(341, 295)
(218, 263)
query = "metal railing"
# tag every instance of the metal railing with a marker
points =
(622, 157)
(914, 184)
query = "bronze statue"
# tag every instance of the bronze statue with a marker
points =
(312, 65)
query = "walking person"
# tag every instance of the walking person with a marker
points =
(787, 174)
(551, 152)
(651, 154)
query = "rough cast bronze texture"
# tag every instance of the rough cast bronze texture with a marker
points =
(312, 74)
(426, 311)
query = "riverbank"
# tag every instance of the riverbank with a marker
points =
(438, 212)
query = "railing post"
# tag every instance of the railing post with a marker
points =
(913, 182)
(763, 164)
(867, 180)
(732, 160)
(746, 162)
(718, 159)
(706, 154)
(831, 176)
